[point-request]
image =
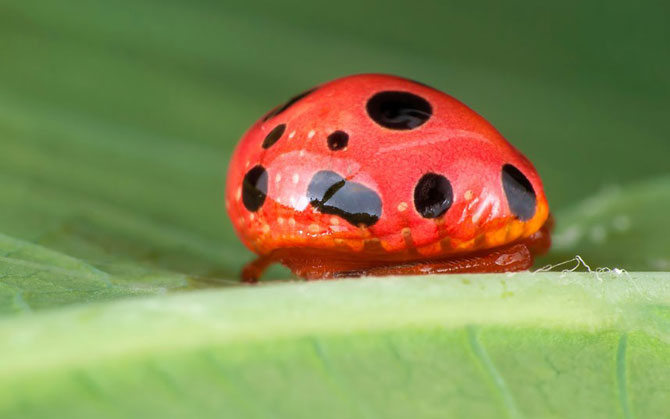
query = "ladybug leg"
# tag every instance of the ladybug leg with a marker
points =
(516, 257)
(253, 270)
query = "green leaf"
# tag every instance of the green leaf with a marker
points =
(524, 345)
(33, 277)
(622, 227)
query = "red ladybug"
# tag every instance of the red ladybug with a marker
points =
(379, 175)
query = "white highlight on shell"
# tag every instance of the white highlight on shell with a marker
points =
(402, 206)
(278, 178)
(291, 135)
(489, 201)
(311, 134)
(301, 203)
(298, 203)
(295, 178)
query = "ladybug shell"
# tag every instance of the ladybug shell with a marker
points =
(382, 166)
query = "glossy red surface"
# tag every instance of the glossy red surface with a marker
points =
(454, 142)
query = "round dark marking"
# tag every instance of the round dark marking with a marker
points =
(398, 110)
(520, 193)
(255, 188)
(433, 195)
(338, 140)
(330, 193)
(281, 108)
(274, 135)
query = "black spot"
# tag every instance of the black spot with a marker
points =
(338, 140)
(433, 195)
(255, 188)
(281, 108)
(519, 192)
(274, 135)
(398, 110)
(330, 193)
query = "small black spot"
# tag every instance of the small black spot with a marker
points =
(338, 140)
(281, 108)
(274, 135)
(255, 188)
(433, 195)
(398, 110)
(330, 193)
(519, 192)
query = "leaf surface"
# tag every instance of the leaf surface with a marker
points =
(525, 345)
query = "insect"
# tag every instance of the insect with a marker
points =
(380, 175)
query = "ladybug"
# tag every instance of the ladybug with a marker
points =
(380, 175)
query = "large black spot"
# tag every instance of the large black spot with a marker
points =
(274, 135)
(255, 188)
(519, 192)
(433, 195)
(281, 108)
(338, 140)
(330, 193)
(398, 110)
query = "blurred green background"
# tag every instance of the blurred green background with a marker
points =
(117, 119)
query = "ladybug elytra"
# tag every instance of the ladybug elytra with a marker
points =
(379, 175)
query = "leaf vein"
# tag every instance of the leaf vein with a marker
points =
(622, 377)
(498, 380)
